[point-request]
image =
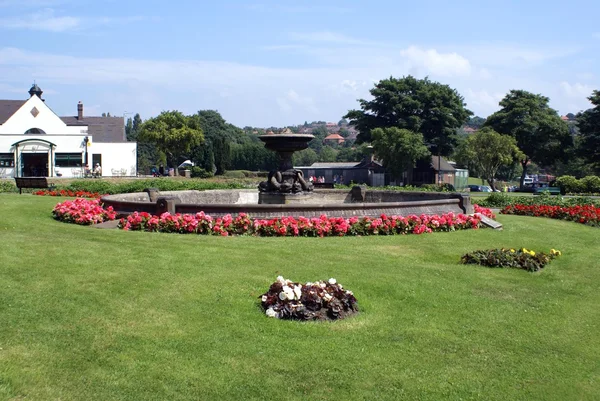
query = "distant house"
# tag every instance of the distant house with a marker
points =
(34, 141)
(470, 130)
(334, 138)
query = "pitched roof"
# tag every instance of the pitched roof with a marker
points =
(103, 129)
(8, 108)
(436, 161)
(334, 136)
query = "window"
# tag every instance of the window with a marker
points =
(35, 131)
(68, 160)
(7, 160)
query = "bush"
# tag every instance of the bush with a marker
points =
(511, 258)
(8, 186)
(590, 184)
(199, 172)
(568, 184)
(235, 174)
(496, 199)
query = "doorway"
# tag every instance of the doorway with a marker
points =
(34, 164)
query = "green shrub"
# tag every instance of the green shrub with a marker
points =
(568, 184)
(8, 186)
(511, 258)
(199, 172)
(235, 174)
(590, 184)
(496, 199)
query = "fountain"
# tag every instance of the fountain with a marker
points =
(285, 185)
(287, 193)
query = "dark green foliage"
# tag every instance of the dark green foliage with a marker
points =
(499, 199)
(173, 133)
(199, 172)
(510, 258)
(588, 123)
(419, 105)
(399, 149)
(252, 156)
(540, 133)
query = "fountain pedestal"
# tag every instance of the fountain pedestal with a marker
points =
(285, 185)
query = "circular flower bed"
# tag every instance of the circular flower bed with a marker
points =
(68, 192)
(516, 258)
(322, 226)
(321, 300)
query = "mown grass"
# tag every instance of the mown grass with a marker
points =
(105, 314)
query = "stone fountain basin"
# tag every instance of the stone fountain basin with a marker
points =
(331, 202)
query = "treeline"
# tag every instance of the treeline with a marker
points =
(216, 146)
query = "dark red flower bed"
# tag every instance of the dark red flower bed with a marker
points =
(65, 192)
(584, 214)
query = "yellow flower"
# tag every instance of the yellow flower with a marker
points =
(524, 250)
(555, 252)
(512, 250)
(532, 253)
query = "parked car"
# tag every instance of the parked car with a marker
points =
(475, 188)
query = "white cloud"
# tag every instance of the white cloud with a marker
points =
(44, 20)
(483, 101)
(442, 64)
(576, 90)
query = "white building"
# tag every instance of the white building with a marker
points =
(34, 141)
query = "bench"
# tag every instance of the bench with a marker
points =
(328, 185)
(33, 182)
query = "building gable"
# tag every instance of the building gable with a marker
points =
(33, 113)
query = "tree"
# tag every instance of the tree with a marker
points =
(305, 157)
(327, 154)
(476, 122)
(489, 151)
(399, 149)
(173, 133)
(129, 129)
(418, 105)
(538, 129)
(589, 131)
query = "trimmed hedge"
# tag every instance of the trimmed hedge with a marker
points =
(499, 200)
(586, 185)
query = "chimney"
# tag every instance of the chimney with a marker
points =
(80, 110)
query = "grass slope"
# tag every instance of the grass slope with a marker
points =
(106, 314)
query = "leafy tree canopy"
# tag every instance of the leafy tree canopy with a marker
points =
(419, 105)
(589, 130)
(538, 129)
(173, 133)
(489, 150)
(399, 149)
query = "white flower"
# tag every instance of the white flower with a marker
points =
(281, 279)
(282, 296)
(289, 294)
(332, 281)
(298, 292)
(285, 288)
(271, 312)
(264, 298)
(349, 293)
(327, 297)
(322, 284)
(309, 284)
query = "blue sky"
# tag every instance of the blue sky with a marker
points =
(274, 63)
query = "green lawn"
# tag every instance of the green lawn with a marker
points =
(89, 314)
